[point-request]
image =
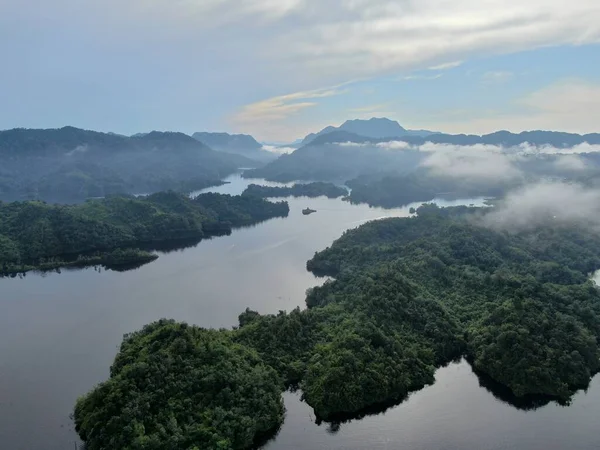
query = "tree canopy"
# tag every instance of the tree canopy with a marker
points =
(407, 296)
(35, 234)
(174, 386)
(315, 189)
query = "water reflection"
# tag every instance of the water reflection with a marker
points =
(454, 413)
(504, 394)
(59, 335)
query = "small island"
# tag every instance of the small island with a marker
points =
(307, 211)
(316, 189)
(408, 295)
(117, 230)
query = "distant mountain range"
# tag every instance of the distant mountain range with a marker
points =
(326, 158)
(70, 164)
(242, 144)
(383, 129)
(376, 128)
(501, 138)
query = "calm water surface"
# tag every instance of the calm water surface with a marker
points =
(60, 332)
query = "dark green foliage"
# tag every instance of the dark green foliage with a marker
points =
(32, 234)
(530, 316)
(316, 189)
(409, 295)
(422, 186)
(241, 210)
(174, 386)
(364, 340)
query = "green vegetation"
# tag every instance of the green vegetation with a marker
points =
(119, 259)
(316, 189)
(422, 186)
(530, 317)
(174, 386)
(36, 235)
(409, 295)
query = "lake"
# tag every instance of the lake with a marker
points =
(60, 332)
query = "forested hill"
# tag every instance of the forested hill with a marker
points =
(71, 165)
(341, 155)
(38, 235)
(315, 189)
(409, 295)
(423, 186)
(529, 314)
(326, 160)
(242, 144)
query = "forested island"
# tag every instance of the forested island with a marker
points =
(408, 296)
(421, 186)
(115, 231)
(315, 189)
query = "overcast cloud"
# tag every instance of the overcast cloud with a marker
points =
(258, 65)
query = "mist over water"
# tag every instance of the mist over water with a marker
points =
(60, 332)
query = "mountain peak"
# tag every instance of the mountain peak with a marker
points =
(373, 121)
(375, 128)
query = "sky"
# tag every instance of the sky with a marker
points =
(280, 69)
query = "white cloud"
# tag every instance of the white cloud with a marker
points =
(476, 162)
(527, 149)
(78, 149)
(422, 77)
(483, 150)
(540, 203)
(191, 52)
(572, 163)
(388, 35)
(488, 162)
(446, 66)
(395, 145)
(352, 144)
(268, 114)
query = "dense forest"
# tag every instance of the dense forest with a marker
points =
(315, 189)
(529, 316)
(174, 386)
(422, 186)
(34, 234)
(408, 295)
(71, 165)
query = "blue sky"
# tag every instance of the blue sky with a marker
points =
(279, 69)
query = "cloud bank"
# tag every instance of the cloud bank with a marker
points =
(543, 203)
(471, 162)
(482, 162)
